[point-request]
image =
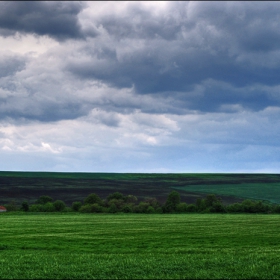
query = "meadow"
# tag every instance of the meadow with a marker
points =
(133, 246)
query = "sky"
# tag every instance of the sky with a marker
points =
(163, 87)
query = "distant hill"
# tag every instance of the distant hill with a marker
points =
(69, 187)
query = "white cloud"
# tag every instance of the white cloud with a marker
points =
(27, 44)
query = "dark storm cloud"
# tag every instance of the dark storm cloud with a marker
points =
(250, 26)
(41, 110)
(222, 48)
(186, 45)
(56, 19)
(219, 96)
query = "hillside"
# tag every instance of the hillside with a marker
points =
(71, 187)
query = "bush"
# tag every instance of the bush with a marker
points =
(113, 208)
(25, 206)
(127, 209)
(217, 207)
(234, 208)
(12, 206)
(130, 199)
(115, 195)
(276, 209)
(48, 207)
(36, 208)
(119, 203)
(250, 206)
(67, 209)
(142, 207)
(210, 200)
(76, 206)
(182, 207)
(44, 199)
(172, 201)
(96, 208)
(92, 198)
(247, 206)
(261, 207)
(85, 208)
(191, 208)
(150, 210)
(153, 202)
(59, 205)
(200, 205)
(158, 210)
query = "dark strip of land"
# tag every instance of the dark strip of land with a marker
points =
(70, 187)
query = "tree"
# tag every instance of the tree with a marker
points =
(200, 204)
(115, 195)
(44, 199)
(48, 207)
(36, 208)
(248, 206)
(181, 207)
(119, 203)
(130, 199)
(59, 205)
(113, 208)
(210, 200)
(214, 204)
(172, 201)
(153, 202)
(85, 208)
(12, 206)
(96, 208)
(142, 207)
(276, 208)
(76, 205)
(127, 208)
(191, 208)
(92, 198)
(235, 208)
(150, 210)
(25, 206)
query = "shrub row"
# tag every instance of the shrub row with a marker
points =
(117, 202)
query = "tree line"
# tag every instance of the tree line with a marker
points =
(117, 202)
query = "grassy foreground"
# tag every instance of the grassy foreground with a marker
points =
(139, 246)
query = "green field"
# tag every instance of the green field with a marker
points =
(70, 187)
(68, 245)
(258, 191)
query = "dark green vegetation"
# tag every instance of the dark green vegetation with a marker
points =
(119, 203)
(70, 187)
(139, 246)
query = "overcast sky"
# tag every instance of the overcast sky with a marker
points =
(140, 86)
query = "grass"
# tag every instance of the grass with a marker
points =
(133, 246)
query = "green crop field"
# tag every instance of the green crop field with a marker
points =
(258, 191)
(130, 246)
(70, 187)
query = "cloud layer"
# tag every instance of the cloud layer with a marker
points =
(140, 86)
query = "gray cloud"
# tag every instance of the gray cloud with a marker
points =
(56, 19)
(184, 54)
(185, 46)
(139, 22)
(248, 26)
(10, 63)
(32, 109)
